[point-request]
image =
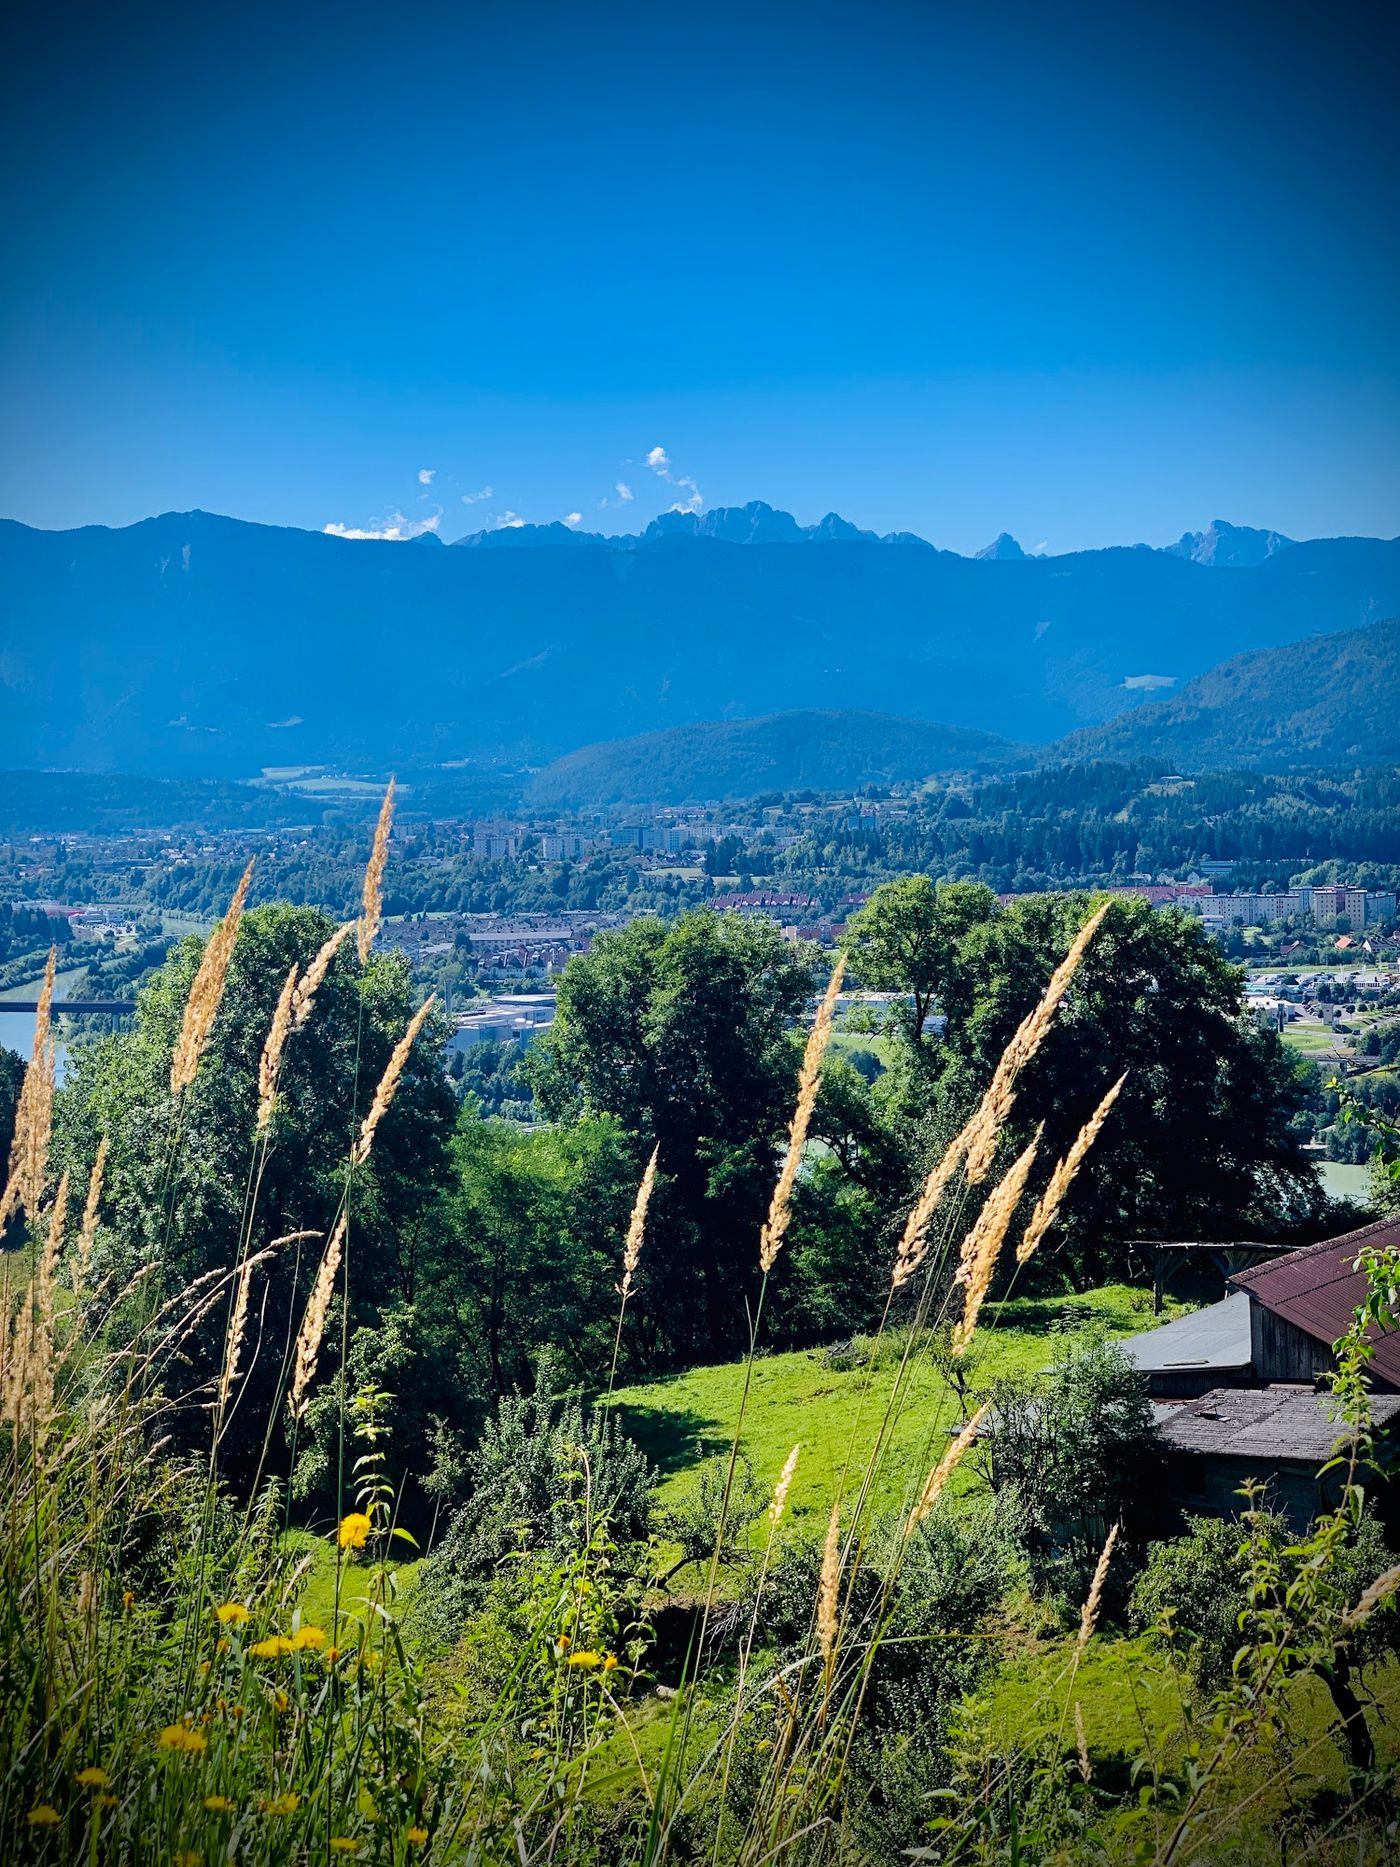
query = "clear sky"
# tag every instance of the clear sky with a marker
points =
(1091, 274)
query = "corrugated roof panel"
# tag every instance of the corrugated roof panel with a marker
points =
(1317, 1290)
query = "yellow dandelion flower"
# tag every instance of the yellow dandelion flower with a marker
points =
(128, 1599)
(354, 1530)
(218, 1805)
(104, 1802)
(610, 1663)
(93, 1777)
(313, 1637)
(272, 1648)
(344, 1844)
(42, 1815)
(235, 1711)
(562, 1643)
(585, 1658)
(286, 1804)
(280, 1701)
(232, 1614)
(417, 1836)
(181, 1737)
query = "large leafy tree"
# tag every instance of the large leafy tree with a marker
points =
(1199, 1144)
(184, 1179)
(684, 1034)
(907, 939)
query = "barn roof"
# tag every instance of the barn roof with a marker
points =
(1270, 1424)
(1317, 1290)
(1215, 1339)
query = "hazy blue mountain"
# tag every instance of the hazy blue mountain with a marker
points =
(191, 644)
(1235, 547)
(1002, 550)
(1331, 700)
(823, 750)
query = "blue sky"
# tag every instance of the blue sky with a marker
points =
(1091, 274)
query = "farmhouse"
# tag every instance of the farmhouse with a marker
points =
(1236, 1385)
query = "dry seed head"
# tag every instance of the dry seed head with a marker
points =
(1050, 1200)
(313, 1323)
(828, 1588)
(87, 1237)
(809, 1084)
(270, 1062)
(913, 1246)
(1031, 1034)
(207, 991)
(783, 1486)
(942, 1472)
(237, 1325)
(1371, 1598)
(1088, 1619)
(29, 1150)
(304, 997)
(982, 1246)
(372, 905)
(388, 1083)
(636, 1225)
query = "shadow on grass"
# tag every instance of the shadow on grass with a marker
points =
(672, 1439)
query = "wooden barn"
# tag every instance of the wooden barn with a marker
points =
(1239, 1389)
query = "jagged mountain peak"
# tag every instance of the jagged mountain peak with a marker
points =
(1002, 550)
(1235, 547)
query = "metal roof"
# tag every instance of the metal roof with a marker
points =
(1215, 1338)
(1317, 1289)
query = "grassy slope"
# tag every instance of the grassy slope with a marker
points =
(834, 1413)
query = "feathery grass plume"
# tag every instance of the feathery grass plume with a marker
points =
(270, 1062)
(943, 1471)
(388, 1083)
(1059, 1183)
(636, 1225)
(87, 1237)
(828, 1587)
(238, 1323)
(42, 1378)
(1089, 1618)
(29, 1150)
(913, 1245)
(809, 1084)
(207, 991)
(304, 997)
(990, 1118)
(982, 1246)
(1081, 1743)
(313, 1323)
(783, 1486)
(1371, 1598)
(372, 907)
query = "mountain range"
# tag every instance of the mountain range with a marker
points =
(192, 644)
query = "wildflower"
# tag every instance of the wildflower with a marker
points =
(235, 1711)
(272, 1648)
(344, 1844)
(609, 1662)
(280, 1701)
(584, 1658)
(181, 1737)
(286, 1804)
(104, 1802)
(562, 1643)
(333, 1654)
(354, 1530)
(232, 1614)
(313, 1637)
(42, 1815)
(218, 1805)
(128, 1600)
(93, 1777)
(417, 1836)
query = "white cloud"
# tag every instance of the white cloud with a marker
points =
(1037, 550)
(509, 522)
(425, 475)
(475, 499)
(1148, 683)
(660, 463)
(572, 518)
(395, 528)
(624, 491)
